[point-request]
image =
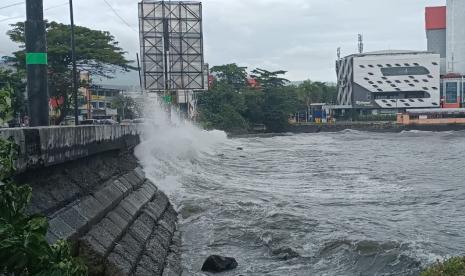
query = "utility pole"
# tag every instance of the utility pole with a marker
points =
(73, 57)
(36, 63)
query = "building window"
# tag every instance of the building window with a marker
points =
(406, 104)
(398, 89)
(398, 81)
(425, 80)
(384, 78)
(389, 81)
(429, 76)
(406, 64)
(371, 74)
(380, 90)
(410, 100)
(417, 81)
(380, 82)
(434, 88)
(411, 84)
(397, 64)
(371, 66)
(393, 85)
(380, 66)
(435, 104)
(435, 63)
(405, 71)
(451, 92)
(425, 88)
(366, 79)
(388, 65)
(370, 82)
(375, 86)
(412, 77)
(362, 66)
(416, 64)
(421, 100)
(407, 81)
(389, 105)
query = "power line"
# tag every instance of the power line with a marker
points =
(119, 16)
(12, 5)
(22, 16)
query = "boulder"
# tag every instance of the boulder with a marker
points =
(216, 263)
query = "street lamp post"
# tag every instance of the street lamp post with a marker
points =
(73, 57)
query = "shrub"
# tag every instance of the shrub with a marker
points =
(452, 267)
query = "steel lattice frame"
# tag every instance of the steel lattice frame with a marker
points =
(171, 38)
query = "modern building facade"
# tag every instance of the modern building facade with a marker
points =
(386, 80)
(445, 32)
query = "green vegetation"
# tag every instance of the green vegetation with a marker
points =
(452, 267)
(127, 107)
(236, 107)
(13, 82)
(23, 247)
(96, 52)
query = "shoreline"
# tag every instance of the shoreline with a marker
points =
(387, 127)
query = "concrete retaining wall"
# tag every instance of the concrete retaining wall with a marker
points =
(87, 181)
(47, 146)
(372, 126)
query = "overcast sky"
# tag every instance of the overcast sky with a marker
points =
(299, 36)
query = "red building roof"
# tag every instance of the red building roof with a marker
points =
(436, 18)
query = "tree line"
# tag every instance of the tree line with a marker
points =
(235, 106)
(97, 52)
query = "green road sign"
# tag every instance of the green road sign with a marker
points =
(36, 58)
(167, 99)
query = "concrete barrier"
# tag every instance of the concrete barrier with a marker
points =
(47, 146)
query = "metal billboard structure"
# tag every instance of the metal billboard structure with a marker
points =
(171, 39)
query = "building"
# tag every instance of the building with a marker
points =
(435, 25)
(389, 80)
(456, 36)
(445, 34)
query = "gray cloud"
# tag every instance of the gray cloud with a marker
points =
(300, 36)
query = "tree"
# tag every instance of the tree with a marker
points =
(278, 105)
(269, 80)
(13, 81)
(126, 106)
(316, 92)
(222, 108)
(232, 75)
(96, 52)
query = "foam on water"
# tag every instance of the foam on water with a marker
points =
(348, 203)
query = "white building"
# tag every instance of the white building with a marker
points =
(389, 80)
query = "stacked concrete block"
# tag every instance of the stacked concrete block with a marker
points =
(127, 227)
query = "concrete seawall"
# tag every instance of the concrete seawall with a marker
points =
(371, 126)
(87, 181)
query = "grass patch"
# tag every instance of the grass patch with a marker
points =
(452, 267)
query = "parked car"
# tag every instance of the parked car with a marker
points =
(107, 122)
(89, 122)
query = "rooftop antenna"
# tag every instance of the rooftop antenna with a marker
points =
(338, 53)
(360, 43)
